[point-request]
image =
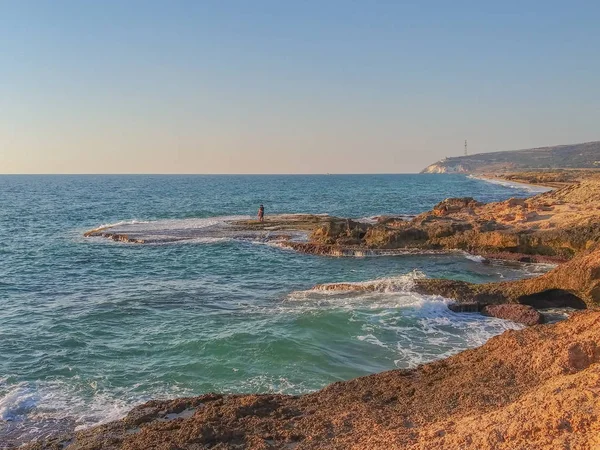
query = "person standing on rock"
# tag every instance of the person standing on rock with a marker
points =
(261, 213)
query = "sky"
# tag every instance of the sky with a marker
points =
(290, 86)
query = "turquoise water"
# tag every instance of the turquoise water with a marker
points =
(90, 327)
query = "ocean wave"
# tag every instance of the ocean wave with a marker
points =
(59, 400)
(372, 340)
(475, 258)
(17, 401)
(120, 223)
(400, 283)
(42, 409)
(410, 328)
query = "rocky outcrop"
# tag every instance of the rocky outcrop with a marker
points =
(555, 225)
(574, 284)
(341, 232)
(524, 314)
(534, 388)
(117, 237)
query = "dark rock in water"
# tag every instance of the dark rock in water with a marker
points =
(465, 307)
(575, 284)
(526, 259)
(553, 298)
(517, 313)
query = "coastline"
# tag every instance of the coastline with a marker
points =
(436, 404)
(464, 401)
(536, 188)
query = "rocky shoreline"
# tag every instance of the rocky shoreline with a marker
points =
(549, 227)
(555, 225)
(534, 388)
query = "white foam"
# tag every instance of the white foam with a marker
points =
(272, 384)
(476, 258)
(368, 220)
(121, 223)
(537, 268)
(371, 340)
(194, 230)
(58, 400)
(400, 283)
(514, 184)
(17, 402)
(375, 219)
(415, 328)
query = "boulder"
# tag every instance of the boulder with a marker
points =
(451, 205)
(524, 314)
(465, 307)
(574, 284)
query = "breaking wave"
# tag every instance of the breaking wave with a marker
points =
(401, 283)
(475, 258)
(410, 328)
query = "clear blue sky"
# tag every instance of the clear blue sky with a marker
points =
(289, 87)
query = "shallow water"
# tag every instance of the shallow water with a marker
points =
(90, 327)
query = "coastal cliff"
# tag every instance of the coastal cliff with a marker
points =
(574, 156)
(534, 388)
(447, 165)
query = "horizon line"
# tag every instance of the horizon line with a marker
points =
(216, 174)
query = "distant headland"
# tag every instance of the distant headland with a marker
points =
(572, 156)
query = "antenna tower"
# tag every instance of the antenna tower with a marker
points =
(466, 152)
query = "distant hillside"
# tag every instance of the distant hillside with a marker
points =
(575, 156)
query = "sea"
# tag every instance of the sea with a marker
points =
(90, 328)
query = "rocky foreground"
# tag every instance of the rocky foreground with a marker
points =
(535, 388)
